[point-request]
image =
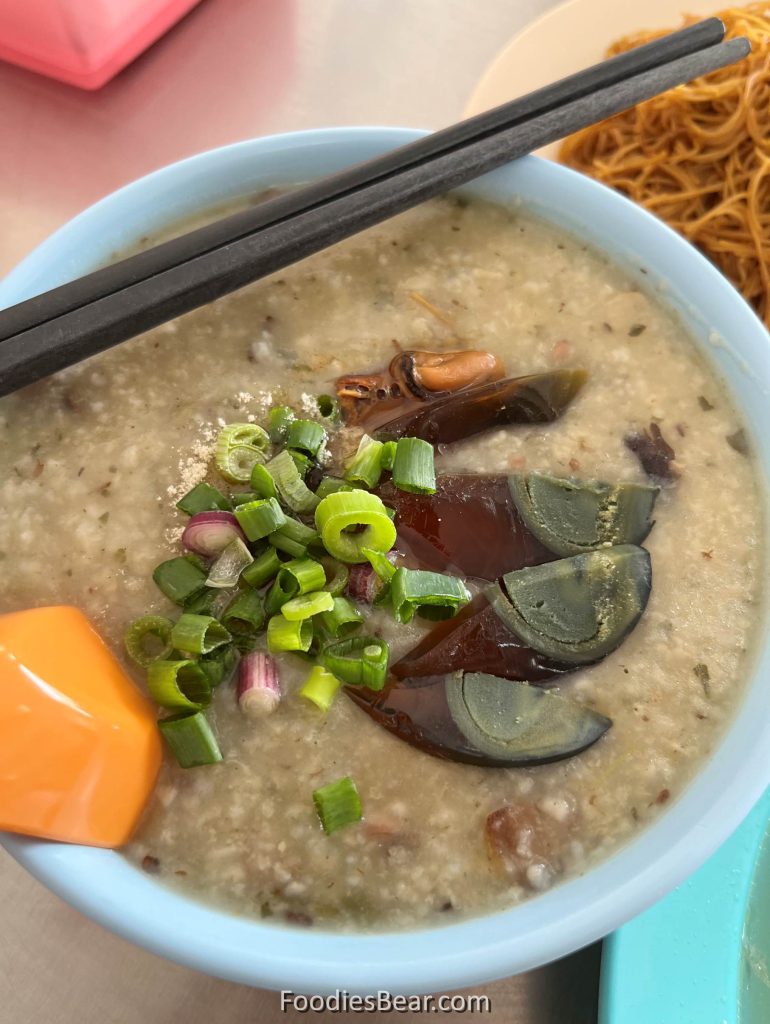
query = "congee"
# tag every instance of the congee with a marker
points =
(439, 553)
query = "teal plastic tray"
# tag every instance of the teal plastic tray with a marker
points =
(701, 955)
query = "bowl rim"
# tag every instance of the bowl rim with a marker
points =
(105, 887)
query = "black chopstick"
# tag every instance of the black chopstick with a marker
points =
(49, 346)
(162, 257)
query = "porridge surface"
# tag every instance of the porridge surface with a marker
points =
(92, 462)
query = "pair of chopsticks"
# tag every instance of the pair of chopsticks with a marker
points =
(76, 320)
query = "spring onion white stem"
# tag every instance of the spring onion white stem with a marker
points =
(259, 688)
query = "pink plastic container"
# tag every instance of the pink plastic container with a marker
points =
(83, 42)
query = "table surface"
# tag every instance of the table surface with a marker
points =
(231, 70)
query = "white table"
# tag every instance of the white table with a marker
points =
(233, 69)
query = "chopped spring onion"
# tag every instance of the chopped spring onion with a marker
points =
(198, 634)
(289, 547)
(413, 466)
(306, 436)
(278, 595)
(283, 635)
(227, 569)
(262, 482)
(337, 805)
(243, 497)
(301, 461)
(293, 538)
(328, 407)
(259, 689)
(179, 579)
(340, 512)
(219, 666)
(330, 485)
(320, 687)
(381, 564)
(301, 576)
(190, 739)
(366, 467)
(245, 643)
(343, 618)
(209, 533)
(203, 498)
(262, 569)
(374, 664)
(297, 531)
(279, 419)
(291, 487)
(202, 603)
(414, 589)
(388, 454)
(383, 598)
(260, 518)
(307, 605)
(239, 447)
(137, 634)
(178, 684)
(245, 615)
(222, 598)
(337, 575)
(358, 660)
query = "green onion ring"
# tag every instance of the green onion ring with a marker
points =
(358, 661)
(283, 635)
(340, 512)
(178, 684)
(307, 605)
(148, 626)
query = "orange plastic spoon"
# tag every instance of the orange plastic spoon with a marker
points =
(79, 745)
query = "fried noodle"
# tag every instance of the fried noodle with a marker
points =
(698, 156)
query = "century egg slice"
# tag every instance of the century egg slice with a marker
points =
(483, 525)
(538, 398)
(519, 724)
(577, 609)
(569, 516)
(470, 526)
(476, 718)
(480, 640)
(542, 621)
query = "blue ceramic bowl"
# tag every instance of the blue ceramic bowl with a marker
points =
(111, 891)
